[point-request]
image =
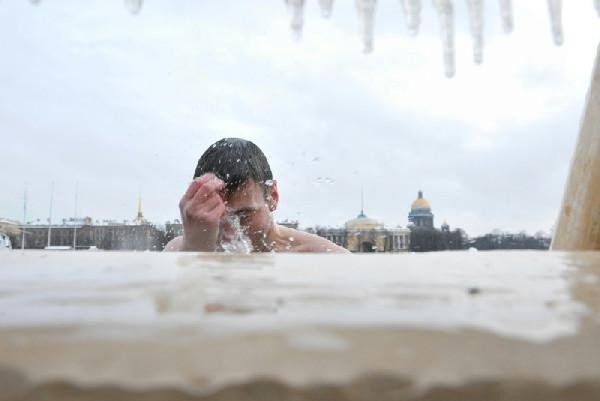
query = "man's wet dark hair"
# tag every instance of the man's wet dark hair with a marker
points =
(235, 160)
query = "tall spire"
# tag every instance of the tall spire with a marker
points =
(362, 203)
(140, 215)
(362, 200)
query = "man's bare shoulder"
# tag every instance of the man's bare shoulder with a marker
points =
(301, 241)
(174, 245)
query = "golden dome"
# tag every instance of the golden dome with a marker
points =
(363, 222)
(420, 202)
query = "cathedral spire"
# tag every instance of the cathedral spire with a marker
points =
(140, 215)
(362, 203)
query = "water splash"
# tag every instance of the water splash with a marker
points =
(476, 20)
(555, 9)
(326, 8)
(366, 16)
(237, 241)
(296, 9)
(445, 11)
(412, 13)
(507, 15)
(134, 6)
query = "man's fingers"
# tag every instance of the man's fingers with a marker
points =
(207, 190)
(198, 206)
(192, 189)
(213, 182)
(212, 202)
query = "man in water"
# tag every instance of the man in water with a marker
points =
(233, 183)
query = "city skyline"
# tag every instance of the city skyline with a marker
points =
(140, 218)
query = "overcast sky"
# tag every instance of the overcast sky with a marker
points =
(121, 104)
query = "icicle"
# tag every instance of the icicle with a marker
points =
(296, 8)
(445, 10)
(507, 17)
(412, 14)
(476, 18)
(326, 8)
(597, 4)
(366, 15)
(134, 6)
(555, 8)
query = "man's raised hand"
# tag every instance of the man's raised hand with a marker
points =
(202, 209)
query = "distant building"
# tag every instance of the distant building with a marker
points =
(420, 212)
(83, 233)
(9, 230)
(289, 223)
(103, 236)
(364, 234)
(172, 230)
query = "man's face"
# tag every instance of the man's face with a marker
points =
(253, 208)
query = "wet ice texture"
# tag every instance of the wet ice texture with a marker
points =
(366, 16)
(296, 8)
(507, 16)
(412, 14)
(134, 6)
(555, 8)
(445, 11)
(476, 20)
(326, 8)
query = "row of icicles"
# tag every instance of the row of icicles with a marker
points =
(412, 13)
(445, 11)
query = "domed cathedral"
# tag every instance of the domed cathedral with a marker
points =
(420, 212)
(364, 234)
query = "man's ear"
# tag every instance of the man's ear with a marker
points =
(273, 197)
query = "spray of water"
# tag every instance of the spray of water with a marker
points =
(232, 238)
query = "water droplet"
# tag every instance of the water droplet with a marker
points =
(134, 6)
(366, 15)
(296, 8)
(476, 20)
(445, 10)
(507, 16)
(412, 13)
(292, 239)
(326, 8)
(555, 9)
